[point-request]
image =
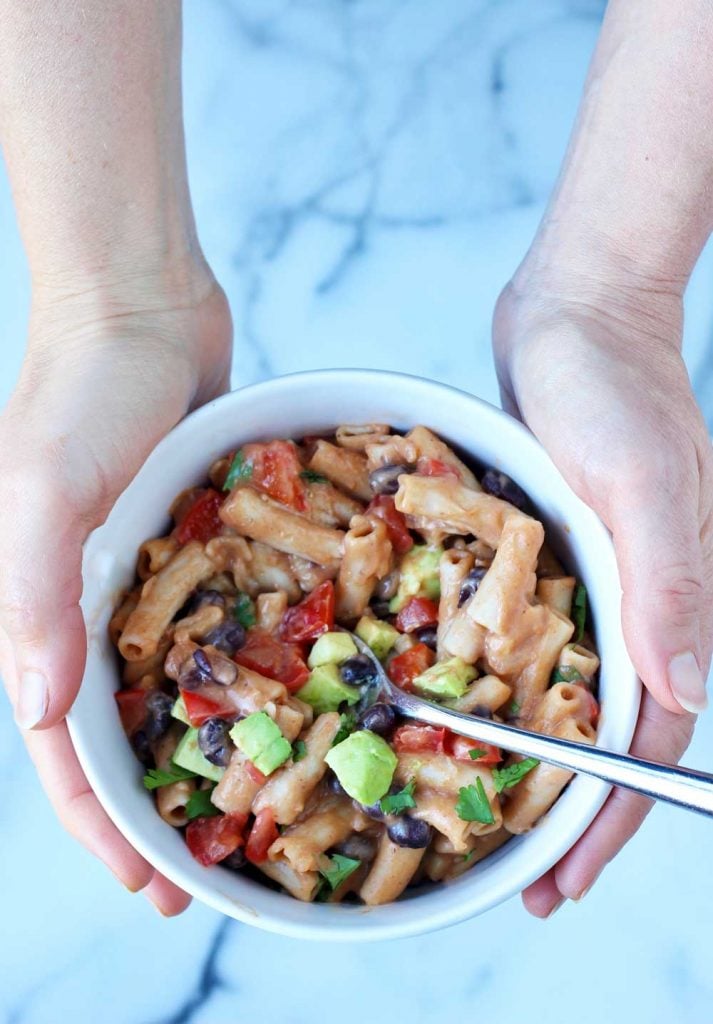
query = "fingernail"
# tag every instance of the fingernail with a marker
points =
(687, 682)
(32, 699)
(556, 907)
(583, 893)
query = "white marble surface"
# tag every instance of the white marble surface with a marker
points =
(366, 176)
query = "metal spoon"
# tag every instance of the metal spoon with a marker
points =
(682, 787)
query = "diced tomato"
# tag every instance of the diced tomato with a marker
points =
(276, 472)
(255, 774)
(417, 613)
(262, 835)
(413, 739)
(460, 747)
(132, 708)
(201, 521)
(311, 617)
(435, 467)
(383, 507)
(269, 656)
(211, 840)
(200, 708)
(404, 668)
(593, 706)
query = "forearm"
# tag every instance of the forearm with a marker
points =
(637, 181)
(91, 127)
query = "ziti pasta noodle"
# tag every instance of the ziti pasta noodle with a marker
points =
(254, 714)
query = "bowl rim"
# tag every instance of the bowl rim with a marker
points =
(333, 928)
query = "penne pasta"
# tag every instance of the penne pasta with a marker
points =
(367, 557)
(346, 469)
(392, 870)
(454, 566)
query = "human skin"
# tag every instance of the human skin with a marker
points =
(129, 331)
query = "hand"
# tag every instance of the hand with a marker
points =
(108, 372)
(593, 366)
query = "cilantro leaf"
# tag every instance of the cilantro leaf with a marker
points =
(513, 708)
(473, 804)
(506, 778)
(468, 856)
(156, 777)
(397, 803)
(566, 674)
(239, 470)
(299, 750)
(347, 725)
(579, 611)
(200, 806)
(313, 478)
(244, 611)
(337, 868)
(476, 752)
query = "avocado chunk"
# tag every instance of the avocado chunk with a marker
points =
(332, 647)
(420, 576)
(188, 755)
(365, 764)
(325, 691)
(179, 711)
(446, 679)
(378, 635)
(260, 739)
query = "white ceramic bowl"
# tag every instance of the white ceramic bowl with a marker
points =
(292, 406)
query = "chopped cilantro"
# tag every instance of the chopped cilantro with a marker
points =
(347, 725)
(566, 674)
(313, 478)
(579, 611)
(396, 803)
(244, 611)
(506, 778)
(156, 777)
(239, 470)
(200, 806)
(299, 750)
(469, 856)
(338, 867)
(513, 708)
(473, 804)
(476, 753)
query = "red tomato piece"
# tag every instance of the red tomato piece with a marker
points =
(404, 668)
(413, 739)
(383, 507)
(211, 840)
(262, 835)
(459, 747)
(255, 774)
(271, 657)
(276, 472)
(592, 704)
(132, 708)
(201, 521)
(310, 618)
(200, 708)
(435, 467)
(417, 613)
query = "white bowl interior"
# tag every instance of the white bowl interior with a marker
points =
(291, 407)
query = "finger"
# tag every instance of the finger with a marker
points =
(168, 899)
(78, 809)
(543, 898)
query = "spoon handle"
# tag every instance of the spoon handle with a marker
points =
(682, 787)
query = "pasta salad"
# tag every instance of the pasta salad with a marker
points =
(252, 711)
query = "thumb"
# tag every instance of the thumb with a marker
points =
(655, 523)
(44, 643)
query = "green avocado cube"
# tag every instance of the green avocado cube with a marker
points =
(325, 691)
(179, 711)
(420, 576)
(189, 755)
(260, 739)
(378, 635)
(365, 764)
(445, 679)
(332, 647)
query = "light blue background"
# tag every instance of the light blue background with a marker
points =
(366, 176)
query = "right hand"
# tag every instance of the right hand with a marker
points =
(108, 372)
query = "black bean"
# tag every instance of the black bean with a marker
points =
(386, 479)
(214, 741)
(410, 832)
(470, 584)
(193, 676)
(235, 860)
(387, 587)
(333, 783)
(379, 718)
(205, 597)
(228, 637)
(158, 714)
(500, 485)
(142, 747)
(358, 671)
(427, 635)
(381, 609)
(373, 810)
(482, 711)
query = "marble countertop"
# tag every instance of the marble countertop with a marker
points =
(366, 176)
